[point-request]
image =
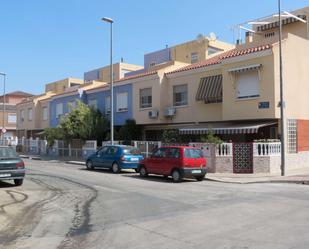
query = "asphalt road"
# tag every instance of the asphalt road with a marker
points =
(66, 206)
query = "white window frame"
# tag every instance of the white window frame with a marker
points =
(30, 114)
(59, 110)
(71, 105)
(44, 113)
(122, 102)
(22, 115)
(183, 94)
(243, 89)
(10, 121)
(107, 105)
(146, 104)
(194, 57)
(93, 103)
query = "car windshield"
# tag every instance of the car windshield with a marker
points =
(193, 153)
(6, 152)
(131, 151)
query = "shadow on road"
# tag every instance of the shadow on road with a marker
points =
(6, 184)
(156, 178)
(108, 171)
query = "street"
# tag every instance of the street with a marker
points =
(66, 206)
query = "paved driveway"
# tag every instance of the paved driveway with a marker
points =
(66, 206)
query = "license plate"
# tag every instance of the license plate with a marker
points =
(5, 175)
(134, 159)
(196, 171)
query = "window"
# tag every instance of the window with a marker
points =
(112, 151)
(193, 153)
(194, 57)
(270, 34)
(173, 153)
(30, 114)
(107, 105)
(44, 113)
(93, 103)
(71, 105)
(180, 95)
(152, 64)
(292, 135)
(122, 102)
(12, 118)
(59, 110)
(22, 115)
(145, 98)
(247, 84)
(160, 153)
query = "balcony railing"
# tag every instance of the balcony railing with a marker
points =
(266, 149)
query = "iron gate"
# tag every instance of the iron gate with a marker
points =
(242, 157)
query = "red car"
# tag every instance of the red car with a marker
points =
(176, 161)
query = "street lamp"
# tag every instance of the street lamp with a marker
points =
(109, 20)
(282, 104)
(3, 99)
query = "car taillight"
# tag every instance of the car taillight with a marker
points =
(20, 165)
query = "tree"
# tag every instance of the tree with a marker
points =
(130, 131)
(52, 134)
(82, 123)
(170, 136)
(211, 138)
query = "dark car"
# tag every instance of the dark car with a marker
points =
(11, 166)
(115, 157)
(176, 161)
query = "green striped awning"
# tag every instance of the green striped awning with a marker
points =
(210, 89)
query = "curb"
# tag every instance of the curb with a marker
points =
(75, 163)
(302, 182)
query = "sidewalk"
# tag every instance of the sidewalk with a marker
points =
(70, 160)
(299, 176)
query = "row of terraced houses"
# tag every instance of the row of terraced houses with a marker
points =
(197, 86)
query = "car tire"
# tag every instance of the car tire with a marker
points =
(199, 178)
(89, 165)
(143, 172)
(176, 176)
(18, 182)
(115, 168)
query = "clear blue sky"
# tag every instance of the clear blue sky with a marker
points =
(46, 40)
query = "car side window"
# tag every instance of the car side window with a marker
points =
(173, 153)
(102, 151)
(160, 153)
(112, 151)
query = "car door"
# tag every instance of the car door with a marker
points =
(159, 161)
(171, 160)
(98, 161)
(110, 156)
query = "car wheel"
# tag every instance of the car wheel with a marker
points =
(176, 176)
(18, 182)
(199, 178)
(89, 165)
(115, 168)
(143, 172)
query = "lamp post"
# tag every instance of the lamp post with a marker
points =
(109, 20)
(3, 99)
(282, 104)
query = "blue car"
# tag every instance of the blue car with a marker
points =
(115, 157)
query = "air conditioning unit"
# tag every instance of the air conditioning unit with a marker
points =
(170, 112)
(153, 114)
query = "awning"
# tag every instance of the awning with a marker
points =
(226, 128)
(244, 69)
(210, 89)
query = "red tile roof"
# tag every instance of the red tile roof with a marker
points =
(219, 58)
